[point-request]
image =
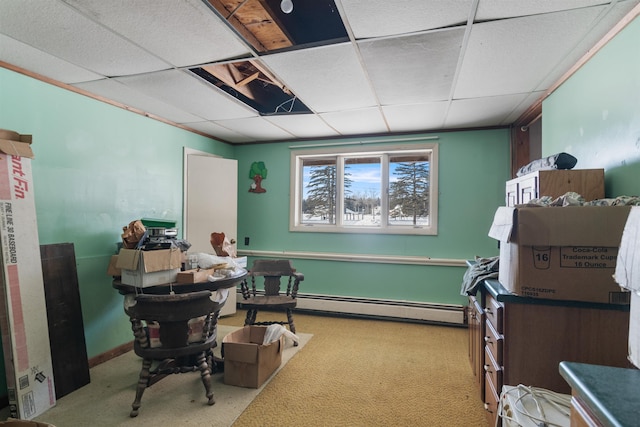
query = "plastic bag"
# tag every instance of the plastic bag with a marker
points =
(209, 261)
(275, 331)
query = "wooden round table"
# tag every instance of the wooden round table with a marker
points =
(181, 288)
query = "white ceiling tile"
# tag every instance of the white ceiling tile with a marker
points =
(325, 78)
(489, 111)
(378, 18)
(500, 9)
(220, 132)
(29, 58)
(415, 117)
(256, 128)
(516, 55)
(523, 106)
(184, 33)
(55, 28)
(362, 121)
(189, 93)
(303, 125)
(116, 91)
(413, 69)
(604, 23)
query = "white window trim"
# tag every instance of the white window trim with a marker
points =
(296, 184)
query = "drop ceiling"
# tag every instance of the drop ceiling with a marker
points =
(377, 67)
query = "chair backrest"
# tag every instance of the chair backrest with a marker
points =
(175, 307)
(272, 271)
(173, 318)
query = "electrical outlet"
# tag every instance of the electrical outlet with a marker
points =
(246, 241)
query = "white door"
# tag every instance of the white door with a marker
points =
(211, 193)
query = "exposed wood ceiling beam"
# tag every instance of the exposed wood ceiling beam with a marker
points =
(255, 21)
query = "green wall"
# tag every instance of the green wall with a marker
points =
(595, 115)
(96, 168)
(473, 167)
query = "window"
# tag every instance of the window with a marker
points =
(386, 189)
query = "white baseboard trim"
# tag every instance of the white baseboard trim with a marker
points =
(370, 307)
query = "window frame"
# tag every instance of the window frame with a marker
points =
(298, 155)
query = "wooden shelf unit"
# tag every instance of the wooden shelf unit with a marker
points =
(589, 183)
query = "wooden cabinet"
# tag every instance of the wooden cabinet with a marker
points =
(602, 395)
(525, 339)
(581, 415)
(476, 321)
(589, 183)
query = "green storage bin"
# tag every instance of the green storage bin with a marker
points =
(154, 222)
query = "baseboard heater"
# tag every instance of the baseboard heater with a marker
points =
(379, 308)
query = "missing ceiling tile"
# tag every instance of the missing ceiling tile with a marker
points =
(252, 84)
(268, 29)
(264, 25)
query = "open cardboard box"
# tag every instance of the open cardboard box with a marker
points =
(248, 362)
(112, 269)
(14, 144)
(563, 253)
(149, 268)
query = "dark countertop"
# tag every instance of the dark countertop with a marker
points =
(501, 294)
(613, 394)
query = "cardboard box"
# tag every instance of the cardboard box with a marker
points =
(112, 269)
(149, 268)
(628, 276)
(564, 253)
(198, 275)
(23, 319)
(14, 144)
(247, 362)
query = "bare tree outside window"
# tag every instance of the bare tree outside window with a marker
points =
(320, 202)
(409, 191)
(390, 189)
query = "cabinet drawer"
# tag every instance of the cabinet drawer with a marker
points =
(511, 197)
(491, 400)
(528, 189)
(493, 343)
(493, 310)
(492, 370)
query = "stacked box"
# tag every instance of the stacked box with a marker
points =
(149, 268)
(23, 311)
(565, 253)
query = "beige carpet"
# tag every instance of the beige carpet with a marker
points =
(370, 373)
(353, 372)
(178, 400)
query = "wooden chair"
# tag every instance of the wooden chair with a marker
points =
(270, 296)
(167, 331)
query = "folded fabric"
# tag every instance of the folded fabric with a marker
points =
(627, 273)
(275, 331)
(483, 268)
(557, 161)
